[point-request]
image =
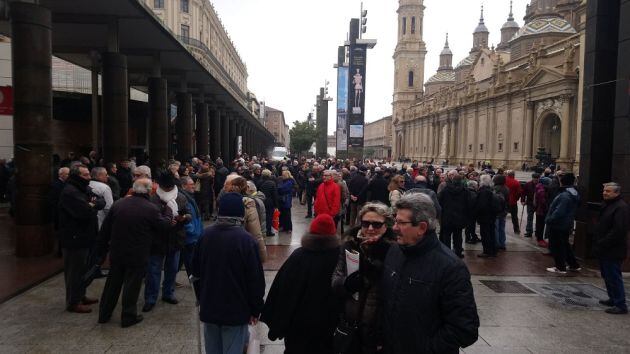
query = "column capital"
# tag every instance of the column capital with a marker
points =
(531, 104)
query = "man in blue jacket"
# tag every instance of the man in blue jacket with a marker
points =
(560, 219)
(231, 283)
(195, 227)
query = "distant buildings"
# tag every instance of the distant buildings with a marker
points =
(378, 139)
(274, 122)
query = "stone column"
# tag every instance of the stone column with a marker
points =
(115, 107)
(159, 122)
(232, 138)
(215, 130)
(565, 128)
(225, 136)
(451, 140)
(183, 126)
(529, 131)
(31, 58)
(203, 135)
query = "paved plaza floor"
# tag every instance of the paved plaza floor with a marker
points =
(522, 309)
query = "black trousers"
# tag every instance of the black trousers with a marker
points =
(129, 279)
(269, 209)
(487, 230)
(74, 268)
(470, 231)
(540, 227)
(448, 232)
(513, 210)
(561, 249)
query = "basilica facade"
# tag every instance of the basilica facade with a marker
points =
(499, 104)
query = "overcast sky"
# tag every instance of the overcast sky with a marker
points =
(290, 46)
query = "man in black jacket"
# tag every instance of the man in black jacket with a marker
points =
(611, 246)
(78, 226)
(355, 187)
(376, 190)
(456, 204)
(429, 305)
(128, 231)
(269, 188)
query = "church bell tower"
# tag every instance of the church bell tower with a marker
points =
(408, 62)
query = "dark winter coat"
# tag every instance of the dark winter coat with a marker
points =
(485, 207)
(285, 193)
(529, 192)
(503, 194)
(219, 178)
(377, 189)
(129, 229)
(611, 231)
(561, 215)
(231, 281)
(173, 238)
(78, 223)
(371, 266)
(125, 180)
(301, 305)
(269, 188)
(456, 202)
(356, 185)
(429, 301)
(424, 189)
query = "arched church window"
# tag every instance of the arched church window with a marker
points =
(413, 25)
(410, 79)
(404, 25)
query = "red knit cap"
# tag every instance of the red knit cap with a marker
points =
(323, 224)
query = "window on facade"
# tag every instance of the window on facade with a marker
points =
(404, 25)
(410, 79)
(413, 25)
(515, 146)
(469, 147)
(158, 4)
(183, 6)
(500, 147)
(480, 147)
(185, 31)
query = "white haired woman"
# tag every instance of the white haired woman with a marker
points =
(486, 208)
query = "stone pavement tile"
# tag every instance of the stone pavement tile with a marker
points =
(176, 334)
(272, 349)
(489, 350)
(112, 333)
(15, 348)
(562, 348)
(520, 317)
(149, 349)
(69, 348)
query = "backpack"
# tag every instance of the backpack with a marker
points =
(498, 202)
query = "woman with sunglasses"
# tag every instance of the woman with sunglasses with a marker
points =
(371, 240)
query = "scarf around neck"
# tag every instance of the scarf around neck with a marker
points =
(169, 198)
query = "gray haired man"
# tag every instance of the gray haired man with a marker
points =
(429, 305)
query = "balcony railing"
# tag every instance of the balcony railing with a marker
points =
(202, 46)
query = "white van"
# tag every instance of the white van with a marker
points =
(279, 153)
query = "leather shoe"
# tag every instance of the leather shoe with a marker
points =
(103, 320)
(80, 308)
(129, 323)
(147, 307)
(485, 255)
(616, 311)
(89, 301)
(170, 300)
(608, 302)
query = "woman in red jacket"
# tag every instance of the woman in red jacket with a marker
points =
(328, 196)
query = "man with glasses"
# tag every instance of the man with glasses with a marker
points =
(429, 305)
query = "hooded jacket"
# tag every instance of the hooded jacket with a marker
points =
(252, 225)
(428, 298)
(301, 305)
(195, 227)
(561, 215)
(259, 198)
(328, 198)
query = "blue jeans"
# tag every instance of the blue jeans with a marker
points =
(224, 339)
(611, 272)
(500, 232)
(154, 275)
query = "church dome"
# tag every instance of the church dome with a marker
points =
(510, 24)
(446, 51)
(481, 28)
(442, 76)
(469, 60)
(544, 25)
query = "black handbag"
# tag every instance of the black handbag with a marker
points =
(346, 332)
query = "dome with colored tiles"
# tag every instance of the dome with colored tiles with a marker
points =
(469, 60)
(442, 76)
(544, 25)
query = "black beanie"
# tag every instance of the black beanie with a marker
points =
(231, 204)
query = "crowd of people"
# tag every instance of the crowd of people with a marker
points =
(409, 290)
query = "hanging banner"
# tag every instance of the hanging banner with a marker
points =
(356, 94)
(342, 108)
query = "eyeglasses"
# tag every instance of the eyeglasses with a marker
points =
(374, 224)
(402, 222)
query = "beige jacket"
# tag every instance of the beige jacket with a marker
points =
(252, 225)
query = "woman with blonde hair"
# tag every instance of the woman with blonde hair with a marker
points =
(396, 189)
(285, 194)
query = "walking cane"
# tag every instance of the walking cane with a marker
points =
(520, 223)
